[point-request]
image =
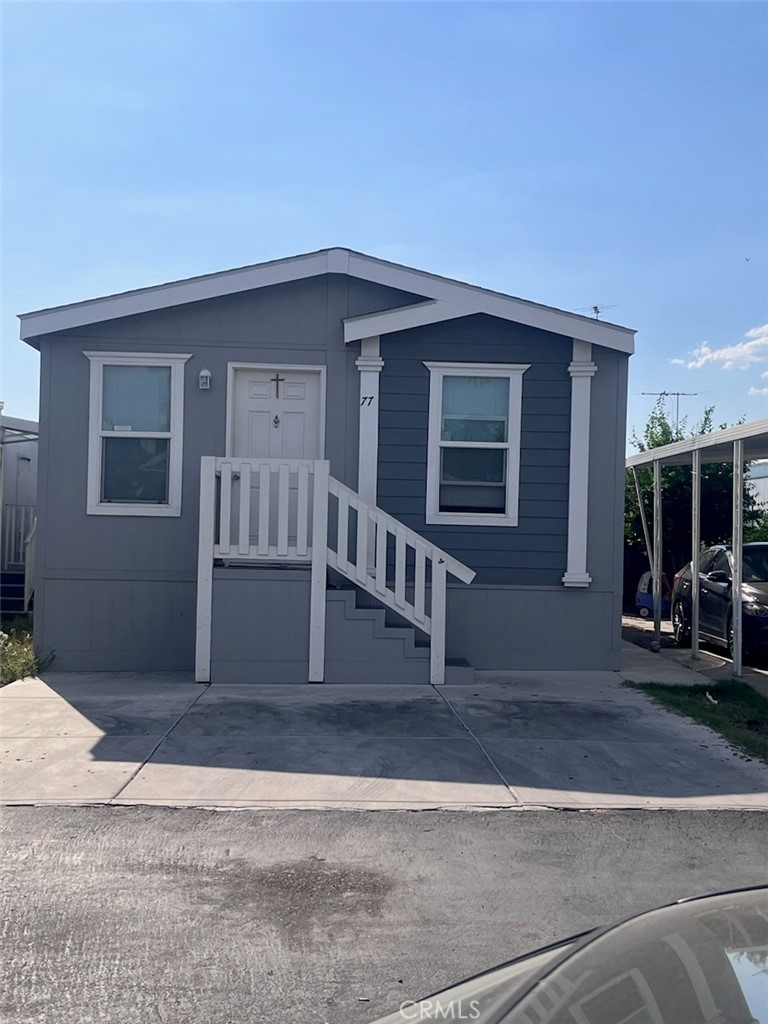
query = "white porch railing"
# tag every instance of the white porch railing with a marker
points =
(17, 522)
(30, 544)
(272, 510)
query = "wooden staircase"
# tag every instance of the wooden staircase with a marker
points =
(272, 511)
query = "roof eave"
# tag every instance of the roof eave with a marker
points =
(37, 323)
(754, 435)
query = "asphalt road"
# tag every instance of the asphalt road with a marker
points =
(136, 914)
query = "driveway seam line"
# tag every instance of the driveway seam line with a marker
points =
(159, 743)
(480, 746)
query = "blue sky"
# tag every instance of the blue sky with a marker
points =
(569, 153)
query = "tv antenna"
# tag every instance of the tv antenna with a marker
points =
(677, 395)
(594, 310)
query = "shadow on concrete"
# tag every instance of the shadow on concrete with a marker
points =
(531, 739)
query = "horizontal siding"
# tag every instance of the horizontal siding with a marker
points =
(452, 538)
(414, 488)
(534, 552)
(528, 509)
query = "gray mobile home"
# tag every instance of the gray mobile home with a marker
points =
(328, 468)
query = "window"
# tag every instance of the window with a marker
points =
(721, 564)
(135, 435)
(473, 461)
(706, 558)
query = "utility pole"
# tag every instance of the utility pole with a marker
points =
(676, 395)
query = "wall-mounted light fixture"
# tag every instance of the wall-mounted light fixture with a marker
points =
(204, 380)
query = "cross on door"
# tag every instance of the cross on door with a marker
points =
(278, 380)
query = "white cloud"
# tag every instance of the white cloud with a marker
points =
(764, 376)
(677, 362)
(758, 391)
(742, 356)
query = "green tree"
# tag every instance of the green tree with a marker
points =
(716, 495)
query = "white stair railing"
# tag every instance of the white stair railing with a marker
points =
(17, 522)
(29, 564)
(277, 510)
(396, 565)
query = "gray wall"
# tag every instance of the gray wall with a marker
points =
(539, 627)
(517, 613)
(532, 553)
(81, 558)
(253, 637)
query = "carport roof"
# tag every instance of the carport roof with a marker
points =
(716, 446)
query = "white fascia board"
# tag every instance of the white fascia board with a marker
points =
(480, 300)
(178, 293)
(455, 294)
(402, 319)
(756, 431)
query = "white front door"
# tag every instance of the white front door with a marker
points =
(276, 414)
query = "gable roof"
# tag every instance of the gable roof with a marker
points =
(445, 299)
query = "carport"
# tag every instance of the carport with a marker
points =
(734, 445)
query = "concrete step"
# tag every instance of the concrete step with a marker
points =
(11, 592)
(366, 642)
(360, 648)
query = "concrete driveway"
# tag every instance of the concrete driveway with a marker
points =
(527, 740)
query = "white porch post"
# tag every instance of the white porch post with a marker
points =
(695, 546)
(370, 366)
(437, 612)
(206, 540)
(657, 551)
(582, 370)
(737, 550)
(317, 586)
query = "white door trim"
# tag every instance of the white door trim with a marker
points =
(232, 368)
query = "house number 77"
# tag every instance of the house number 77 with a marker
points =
(366, 400)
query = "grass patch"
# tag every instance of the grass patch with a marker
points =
(18, 656)
(740, 715)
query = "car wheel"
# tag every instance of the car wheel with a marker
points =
(680, 627)
(644, 613)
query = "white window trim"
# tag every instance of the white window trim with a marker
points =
(98, 360)
(437, 372)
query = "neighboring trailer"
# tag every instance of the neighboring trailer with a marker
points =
(472, 437)
(18, 498)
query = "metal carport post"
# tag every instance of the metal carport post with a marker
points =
(734, 445)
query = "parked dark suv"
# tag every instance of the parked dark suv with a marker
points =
(715, 605)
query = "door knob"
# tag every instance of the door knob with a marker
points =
(276, 420)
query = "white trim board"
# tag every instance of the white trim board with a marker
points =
(457, 294)
(403, 318)
(369, 365)
(714, 447)
(581, 370)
